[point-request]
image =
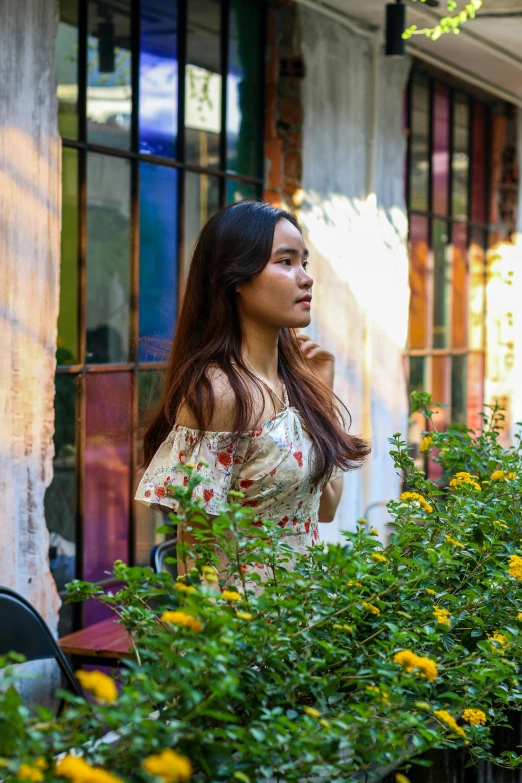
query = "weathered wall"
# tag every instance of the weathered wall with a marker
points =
(29, 279)
(354, 218)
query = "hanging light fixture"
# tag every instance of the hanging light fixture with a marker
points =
(106, 45)
(395, 26)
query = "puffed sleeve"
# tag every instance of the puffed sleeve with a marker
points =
(180, 448)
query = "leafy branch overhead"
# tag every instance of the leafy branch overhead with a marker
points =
(457, 15)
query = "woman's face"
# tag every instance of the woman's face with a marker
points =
(280, 295)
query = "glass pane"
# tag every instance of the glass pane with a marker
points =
(244, 88)
(201, 201)
(159, 77)
(440, 154)
(441, 391)
(458, 389)
(107, 471)
(60, 497)
(417, 374)
(66, 68)
(478, 163)
(420, 261)
(108, 264)
(147, 520)
(459, 308)
(158, 259)
(109, 65)
(475, 389)
(419, 140)
(477, 290)
(238, 191)
(441, 283)
(460, 157)
(203, 83)
(67, 344)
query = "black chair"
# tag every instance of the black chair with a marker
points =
(25, 632)
(160, 553)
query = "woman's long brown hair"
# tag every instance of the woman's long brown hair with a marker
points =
(233, 247)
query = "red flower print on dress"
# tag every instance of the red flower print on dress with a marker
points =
(283, 522)
(224, 458)
(246, 483)
(255, 433)
(258, 523)
(251, 503)
(160, 492)
(208, 494)
(272, 473)
(244, 568)
(191, 439)
(298, 456)
(230, 448)
(307, 524)
(315, 536)
(237, 460)
(181, 456)
(185, 481)
(294, 521)
(300, 504)
(147, 493)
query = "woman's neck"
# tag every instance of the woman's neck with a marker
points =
(261, 348)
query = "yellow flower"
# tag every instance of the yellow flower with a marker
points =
(79, 771)
(190, 465)
(382, 694)
(465, 478)
(474, 717)
(373, 532)
(519, 616)
(168, 765)
(244, 616)
(26, 772)
(231, 595)
(500, 639)
(379, 558)
(411, 661)
(498, 523)
(450, 721)
(325, 723)
(512, 476)
(498, 475)
(338, 627)
(312, 712)
(100, 684)
(430, 591)
(370, 607)
(423, 705)
(515, 567)
(454, 542)
(419, 500)
(354, 584)
(441, 615)
(426, 442)
(400, 778)
(184, 588)
(180, 618)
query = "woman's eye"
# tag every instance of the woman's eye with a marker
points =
(287, 260)
(306, 264)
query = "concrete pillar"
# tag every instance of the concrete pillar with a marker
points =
(29, 282)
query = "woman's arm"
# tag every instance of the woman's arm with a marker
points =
(330, 497)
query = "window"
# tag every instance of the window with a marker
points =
(447, 187)
(160, 112)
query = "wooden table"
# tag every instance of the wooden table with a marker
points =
(104, 643)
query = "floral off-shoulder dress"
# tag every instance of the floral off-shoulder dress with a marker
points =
(272, 465)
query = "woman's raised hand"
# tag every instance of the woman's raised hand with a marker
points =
(320, 361)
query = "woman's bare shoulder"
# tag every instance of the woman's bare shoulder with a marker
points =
(222, 419)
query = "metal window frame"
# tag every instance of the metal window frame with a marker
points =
(485, 227)
(81, 368)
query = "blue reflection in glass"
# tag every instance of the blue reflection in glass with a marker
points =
(158, 259)
(158, 77)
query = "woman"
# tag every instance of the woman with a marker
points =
(244, 392)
